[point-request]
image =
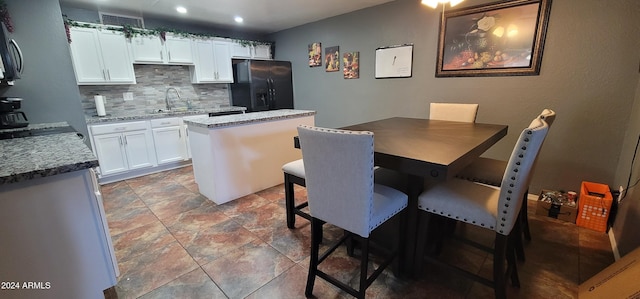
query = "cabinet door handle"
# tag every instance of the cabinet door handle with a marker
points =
(120, 129)
(180, 134)
(169, 52)
(104, 75)
(120, 139)
(125, 140)
(161, 55)
(108, 75)
(165, 123)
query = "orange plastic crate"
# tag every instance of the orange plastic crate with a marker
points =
(594, 206)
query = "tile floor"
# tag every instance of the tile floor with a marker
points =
(171, 242)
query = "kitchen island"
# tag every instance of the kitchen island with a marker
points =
(237, 155)
(55, 239)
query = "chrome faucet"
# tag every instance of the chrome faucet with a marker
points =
(166, 97)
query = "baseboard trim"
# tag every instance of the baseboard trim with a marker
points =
(614, 245)
(141, 172)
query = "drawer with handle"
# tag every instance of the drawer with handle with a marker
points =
(166, 122)
(119, 127)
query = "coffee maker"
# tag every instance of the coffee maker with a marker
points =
(9, 116)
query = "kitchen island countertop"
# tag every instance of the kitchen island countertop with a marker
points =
(253, 117)
(41, 156)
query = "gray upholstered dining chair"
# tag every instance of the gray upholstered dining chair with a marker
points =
(495, 209)
(489, 171)
(341, 191)
(453, 112)
(294, 174)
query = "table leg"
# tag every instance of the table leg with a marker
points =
(407, 258)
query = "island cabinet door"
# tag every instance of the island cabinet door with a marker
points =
(111, 153)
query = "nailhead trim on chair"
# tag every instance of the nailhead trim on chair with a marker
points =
(512, 184)
(456, 216)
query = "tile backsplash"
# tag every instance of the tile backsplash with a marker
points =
(149, 92)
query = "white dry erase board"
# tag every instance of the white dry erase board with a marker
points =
(394, 61)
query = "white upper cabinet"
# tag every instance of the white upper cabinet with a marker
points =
(212, 62)
(240, 51)
(149, 49)
(248, 51)
(179, 50)
(100, 56)
(222, 54)
(262, 52)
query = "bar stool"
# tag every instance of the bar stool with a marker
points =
(294, 174)
(490, 171)
(453, 112)
(487, 207)
(341, 191)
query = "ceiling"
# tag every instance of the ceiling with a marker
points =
(259, 15)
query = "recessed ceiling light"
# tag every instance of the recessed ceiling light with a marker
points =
(181, 9)
(238, 19)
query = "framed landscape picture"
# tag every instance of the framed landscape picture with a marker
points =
(501, 39)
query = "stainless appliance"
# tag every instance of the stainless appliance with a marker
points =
(11, 60)
(9, 117)
(262, 85)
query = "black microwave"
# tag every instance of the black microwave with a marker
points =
(11, 62)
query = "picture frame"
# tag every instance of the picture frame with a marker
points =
(394, 61)
(501, 39)
(332, 59)
(315, 54)
(351, 65)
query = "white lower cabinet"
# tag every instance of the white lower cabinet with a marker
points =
(169, 140)
(123, 146)
(130, 149)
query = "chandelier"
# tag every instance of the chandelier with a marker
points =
(434, 3)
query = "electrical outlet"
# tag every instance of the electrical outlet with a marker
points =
(128, 96)
(620, 194)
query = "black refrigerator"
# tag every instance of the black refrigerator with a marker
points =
(262, 85)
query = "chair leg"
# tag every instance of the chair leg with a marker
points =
(364, 263)
(499, 256)
(512, 266)
(316, 230)
(423, 228)
(350, 244)
(525, 217)
(289, 202)
(516, 237)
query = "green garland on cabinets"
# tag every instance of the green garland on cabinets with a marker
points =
(130, 31)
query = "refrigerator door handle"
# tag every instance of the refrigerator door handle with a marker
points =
(271, 94)
(273, 90)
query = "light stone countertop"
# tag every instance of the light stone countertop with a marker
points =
(41, 156)
(155, 114)
(246, 118)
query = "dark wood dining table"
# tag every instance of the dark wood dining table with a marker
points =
(424, 148)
